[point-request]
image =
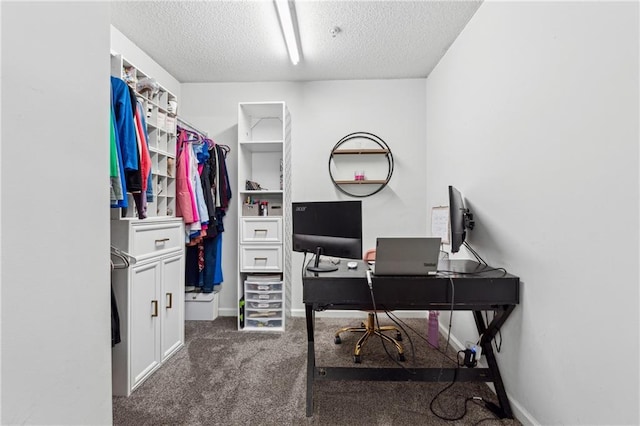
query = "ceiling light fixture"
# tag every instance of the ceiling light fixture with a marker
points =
(289, 26)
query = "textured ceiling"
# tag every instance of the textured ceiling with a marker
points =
(228, 41)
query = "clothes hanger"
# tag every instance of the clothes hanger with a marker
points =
(225, 149)
(124, 262)
(127, 259)
(210, 143)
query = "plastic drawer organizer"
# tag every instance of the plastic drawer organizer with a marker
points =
(263, 301)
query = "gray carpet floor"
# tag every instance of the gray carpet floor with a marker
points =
(227, 377)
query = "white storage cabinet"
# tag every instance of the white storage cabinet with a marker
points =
(264, 252)
(150, 298)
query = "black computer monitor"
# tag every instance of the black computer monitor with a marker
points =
(330, 228)
(461, 219)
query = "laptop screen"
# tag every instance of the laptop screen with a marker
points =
(407, 255)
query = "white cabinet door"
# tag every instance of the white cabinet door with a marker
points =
(173, 305)
(144, 321)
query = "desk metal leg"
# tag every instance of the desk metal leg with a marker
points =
(488, 335)
(311, 357)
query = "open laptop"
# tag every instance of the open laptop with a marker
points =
(407, 256)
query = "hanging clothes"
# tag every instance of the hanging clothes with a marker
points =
(130, 168)
(146, 137)
(211, 194)
(123, 117)
(184, 206)
(143, 146)
(124, 135)
(115, 176)
(133, 176)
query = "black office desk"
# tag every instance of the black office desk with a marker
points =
(473, 289)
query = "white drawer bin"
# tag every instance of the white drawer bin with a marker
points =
(201, 306)
(261, 258)
(262, 296)
(264, 323)
(263, 304)
(261, 229)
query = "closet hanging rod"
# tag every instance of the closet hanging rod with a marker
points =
(192, 127)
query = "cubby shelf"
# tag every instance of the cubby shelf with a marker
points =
(161, 130)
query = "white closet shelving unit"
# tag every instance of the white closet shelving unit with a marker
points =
(150, 292)
(161, 128)
(264, 257)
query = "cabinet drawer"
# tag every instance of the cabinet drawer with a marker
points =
(261, 230)
(152, 238)
(261, 258)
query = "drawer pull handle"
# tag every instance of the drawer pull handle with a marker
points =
(260, 230)
(169, 300)
(162, 241)
(154, 305)
(256, 259)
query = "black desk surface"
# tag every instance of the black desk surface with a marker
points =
(472, 286)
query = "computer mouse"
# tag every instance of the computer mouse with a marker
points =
(352, 265)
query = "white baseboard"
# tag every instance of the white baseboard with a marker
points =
(227, 312)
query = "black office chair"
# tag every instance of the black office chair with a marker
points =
(370, 329)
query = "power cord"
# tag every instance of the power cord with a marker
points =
(480, 260)
(453, 296)
(377, 323)
(395, 318)
(475, 399)
(304, 263)
(401, 327)
(474, 253)
(498, 346)
(443, 390)
(488, 269)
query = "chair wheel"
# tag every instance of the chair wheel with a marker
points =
(401, 357)
(357, 359)
(399, 337)
(337, 340)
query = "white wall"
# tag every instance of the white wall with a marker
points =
(321, 114)
(533, 114)
(56, 337)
